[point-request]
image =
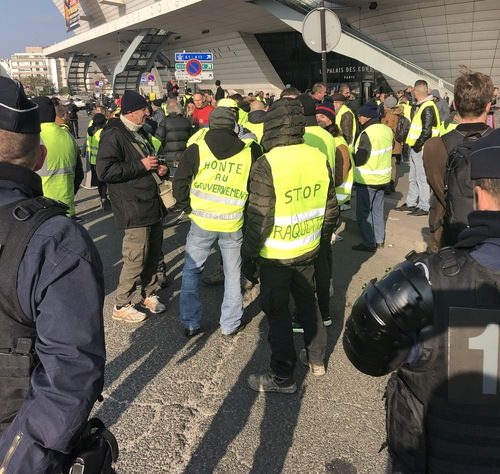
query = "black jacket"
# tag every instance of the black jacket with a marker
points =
(284, 125)
(173, 132)
(429, 120)
(132, 189)
(223, 144)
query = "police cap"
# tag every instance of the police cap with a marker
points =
(17, 113)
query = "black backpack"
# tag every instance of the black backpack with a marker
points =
(458, 188)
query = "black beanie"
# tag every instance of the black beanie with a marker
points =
(17, 113)
(132, 101)
(98, 119)
(46, 109)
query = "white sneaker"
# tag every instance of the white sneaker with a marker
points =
(128, 314)
(152, 303)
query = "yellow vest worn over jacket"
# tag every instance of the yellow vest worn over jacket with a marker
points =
(197, 136)
(58, 170)
(416, 123)
(338, 119)
(344, 190)
(301, 195)
(93, 146)
(219, 190)
(256, 128)
(377, 170)
(319, 138)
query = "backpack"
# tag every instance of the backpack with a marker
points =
(458, 188)
(402, 129)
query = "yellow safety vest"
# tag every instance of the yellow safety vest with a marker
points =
(257, 129)
(377, 170)
(164, 108)
(196, 137)
(416, 123)
(447, 127)
(344, 190)
(156, 143)
(219, 190)
(338, 118)
(301, 181)
(185, 98)
(58, 170)
(407, 111)
(93, 146)
(242, 117)
(319, 138)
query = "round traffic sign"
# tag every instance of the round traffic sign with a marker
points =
(311, 30)
(97, 83)
(151, 77)
(194, 67)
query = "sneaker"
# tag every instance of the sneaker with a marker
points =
(189, 333)
(216, 278)
(419, 212)
(316, 369)
(128, 314)
(326, 320)
(405, 208)
(296, 327)
(152, 303)
(270, 383)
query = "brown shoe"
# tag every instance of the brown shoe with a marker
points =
(128, 314)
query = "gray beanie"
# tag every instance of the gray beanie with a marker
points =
(390, 102)
(222, 118)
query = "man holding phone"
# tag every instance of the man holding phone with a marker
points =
(126, 161)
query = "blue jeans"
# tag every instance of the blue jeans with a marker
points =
(370, 215)
(198, 246)
(418, 190)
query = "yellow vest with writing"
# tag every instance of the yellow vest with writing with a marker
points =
(301, 181)
(338, 118)
(58, 170)
(219, 190)
(377, 170)
(416, 123)
(319, 138)
(344, 190)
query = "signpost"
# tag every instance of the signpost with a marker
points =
(194, 67)
(321, 31)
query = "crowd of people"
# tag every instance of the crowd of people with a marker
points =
(266, 179)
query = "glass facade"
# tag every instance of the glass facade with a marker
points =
(300, 67)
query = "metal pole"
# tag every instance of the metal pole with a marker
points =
(323, 42)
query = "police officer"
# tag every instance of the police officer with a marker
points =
(58, 170)
(372, 156)
(435, 320)
(52, 351)
(291, 208)
(211, 187)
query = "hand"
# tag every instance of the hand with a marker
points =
(249, 270)
(162, 170)
(150, 162)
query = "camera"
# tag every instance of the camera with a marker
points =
(161, 160)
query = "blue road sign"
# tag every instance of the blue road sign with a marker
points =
(182, 57)
(144, 79)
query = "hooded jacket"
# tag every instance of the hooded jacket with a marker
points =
(284, 126)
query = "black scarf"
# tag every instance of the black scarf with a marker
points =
(483, 225)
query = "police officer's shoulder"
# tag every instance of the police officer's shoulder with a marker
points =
(60, 238)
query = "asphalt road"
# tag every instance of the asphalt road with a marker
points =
(182, 406)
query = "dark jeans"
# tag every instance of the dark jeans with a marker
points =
(323, 276)
(277, 283)
(73, 127)
(370, 214)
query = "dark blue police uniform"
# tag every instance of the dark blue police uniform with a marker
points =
(61, 289)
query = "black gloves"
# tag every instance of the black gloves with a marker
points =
(249, 270)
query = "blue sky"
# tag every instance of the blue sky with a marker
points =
(32, 23)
